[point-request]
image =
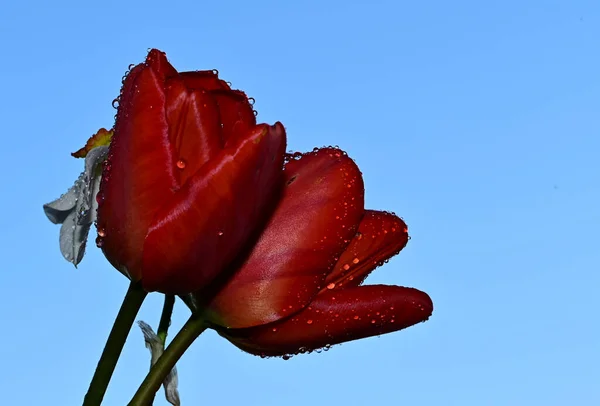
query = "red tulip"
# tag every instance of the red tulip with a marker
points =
(189, 177)
(298, 289)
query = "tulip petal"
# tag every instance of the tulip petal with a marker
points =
(203, 227)
(319, 212)
(194, 127)
(203, 79)
(335, 317)
(381, 235)
(157, 60)
(236, 114)
(138, 177)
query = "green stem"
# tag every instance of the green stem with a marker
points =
(165, 318)
(114, 345)
(186, 336)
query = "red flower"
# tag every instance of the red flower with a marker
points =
(189, 177)
(298, 289)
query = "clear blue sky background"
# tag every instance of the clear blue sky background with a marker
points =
(476, 121)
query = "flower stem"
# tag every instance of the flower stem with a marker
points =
(165, 318)
(114, 345)
(186, 336)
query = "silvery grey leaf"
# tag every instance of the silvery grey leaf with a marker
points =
(73, 239)
(58, 210)
(76, 209)
(156, 347)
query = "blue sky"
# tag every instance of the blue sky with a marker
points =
(477, 122)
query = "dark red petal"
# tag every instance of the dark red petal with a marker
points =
(157, 60)
(335, 317)
(194, 127)
(138, 176)
(203, 227)
(381, 235)
(236, 114)
(319, 212)
(203, 79)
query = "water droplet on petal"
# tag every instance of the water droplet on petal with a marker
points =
(355, 261)
(181, 164)
(346, 267)
(220, 233)
(331, 286)
(309, 321)
(101, 232)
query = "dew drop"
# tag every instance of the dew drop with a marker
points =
(286, 357)
(355, 317)
(309, 322)
(331, 286)
(101, 233)
(181, 164)
(99, 242)
(220, 233)
(355, 261)
(346, 267)
(115, 103)
(215, 72)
